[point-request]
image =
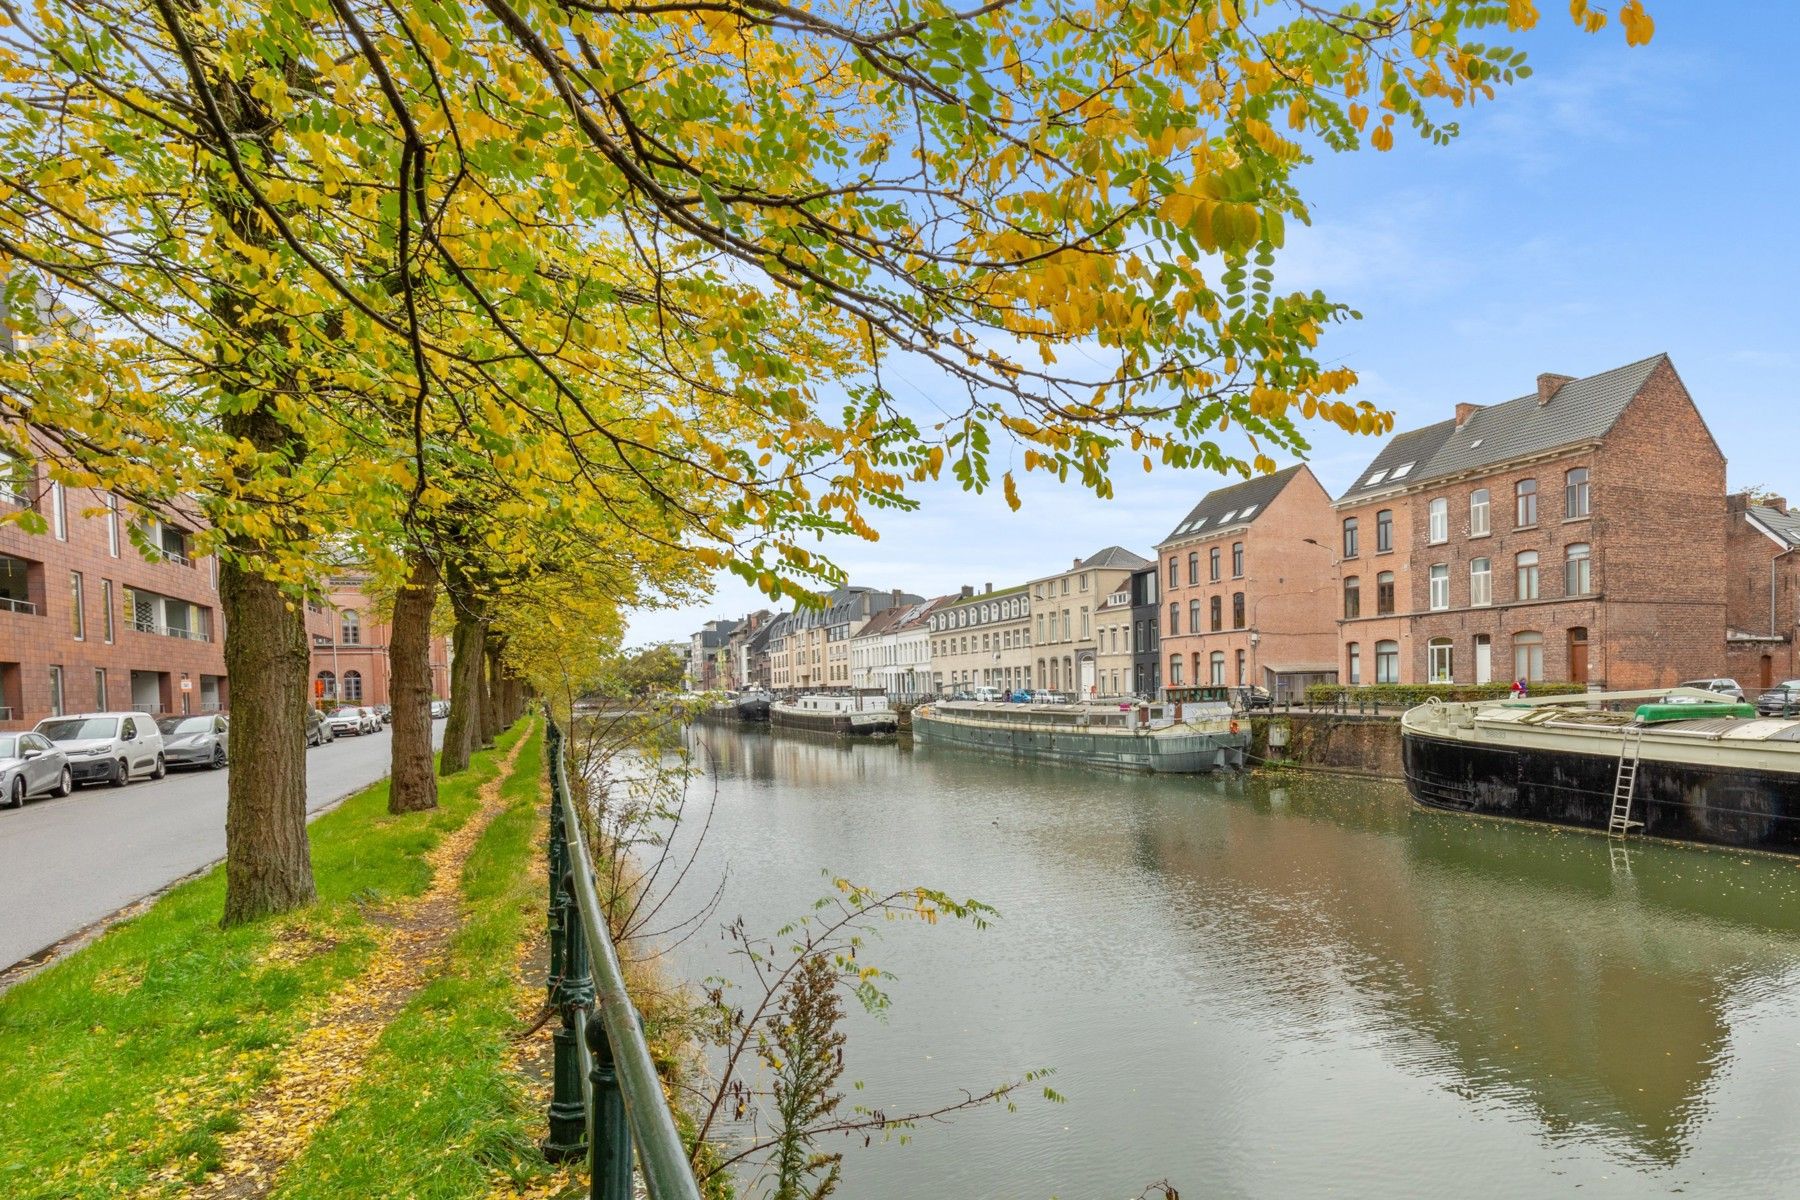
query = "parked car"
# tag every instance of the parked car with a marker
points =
(202, 741)
(386, 713)
(439, 709)
(1727, 688)
(1043, 697)
(318, 729)
(1251, 697)
(348, 720)
(1782, 700)
(372, 718)
(31, 765)
(109, 746)
(986, 695)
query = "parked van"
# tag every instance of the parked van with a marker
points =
(110, 747)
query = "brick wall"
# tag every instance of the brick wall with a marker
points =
(1359, 637)
(1756, 574)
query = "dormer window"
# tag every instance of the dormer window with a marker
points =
(1227, 517)
(1376, 478)
(1245, 515)
(1400, 471)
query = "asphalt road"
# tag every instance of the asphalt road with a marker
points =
(66, 863)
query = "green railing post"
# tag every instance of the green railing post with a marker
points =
(558, 910)
(610, 1162)
(574, 993)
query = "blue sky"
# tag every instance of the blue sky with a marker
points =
(1619, 203)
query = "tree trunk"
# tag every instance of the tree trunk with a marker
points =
(493, 718)
(468, 655)
(268, 865)
(413, 787)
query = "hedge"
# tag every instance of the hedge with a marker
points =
(1406, 695)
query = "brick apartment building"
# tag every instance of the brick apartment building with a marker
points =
(88, 621)
(350, 647)
(1574, 533)
(1248, 590)
(1762, 591)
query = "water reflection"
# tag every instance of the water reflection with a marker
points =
(1294, 987)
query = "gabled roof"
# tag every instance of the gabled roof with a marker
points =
(1239, 504)
(884, 621)
(1115, 556)
(916, 615)
(1582, 410)
(1405, 452)
(1784, 525)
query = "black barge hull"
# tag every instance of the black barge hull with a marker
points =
(1683, 802)
(753, 710)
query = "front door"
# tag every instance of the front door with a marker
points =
(1578, 655)
(1484, 658)
(1087, 677)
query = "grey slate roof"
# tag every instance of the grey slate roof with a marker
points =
(1786, 525)
(1115, 556)
(1230, 502)
(1405, 452)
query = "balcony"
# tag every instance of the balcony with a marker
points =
(11, 604)
(175, 631)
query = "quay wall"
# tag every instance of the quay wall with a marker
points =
(1339, 742)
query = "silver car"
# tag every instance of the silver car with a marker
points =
(31, 765)
(203, 741)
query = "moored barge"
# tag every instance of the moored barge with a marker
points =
(1133, 737)
(1671, 763)
(856, 715)
(753, 706)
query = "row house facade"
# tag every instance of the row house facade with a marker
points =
(810, 647)
(892, 653)
(982, 639)
(708, 665)
(1064, 630)
(105, 609)
(1247, 588)
(1129, 637)
(1762, 590)
(1575, 533)
(350, 635)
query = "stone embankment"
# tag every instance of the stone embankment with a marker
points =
(1327, 741)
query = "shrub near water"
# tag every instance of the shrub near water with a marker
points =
(1407, 695)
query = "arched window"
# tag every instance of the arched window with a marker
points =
(1525, 502)
(1174, 670)
(1193, 567)
(350, 632)
(1440, 586)
(1528, 657)
(1354, 654)
(1174, 571)
(1387, 662)
(1237, 610)
(1384, 593)
(1350, 537)
(1527, 575)
(1218, 667)
(353, 685)
(1218, 613)
(1193, 616)
(327, 685)
(1352, 597)
(1439, 659)
(1576, 575)
(1384, 531)
(1478, 512)
(1215, 564)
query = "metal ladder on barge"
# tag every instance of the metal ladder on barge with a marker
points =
(1631, 751)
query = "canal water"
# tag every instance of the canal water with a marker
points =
(1291, 987)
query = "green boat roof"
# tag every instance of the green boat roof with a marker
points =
(1652, 714)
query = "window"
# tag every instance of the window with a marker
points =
(353, 685)
(1438, 529)
(1349, 537)
(327, 685)
(1352, 598)
(1215, 564)
(1527, 588)
(1217, 666)
(1575, 493)
(1084, 581)
(1241, 675)
(112, 527)
(1528, 657)
(1084, 622)
(1576, 576)
(59, 512)
(1384, 531)
(1175, 670)
(1193, 567)
(1218, 614)
(1525, 503)
(1387, 662)
(1174, 571)
(1194, 614)
(56, 692)
(100, 689)
(1354, 654)
(1439, 660)
(1174, 618)
(1384, 593)
(106, 609)
(351, 633)
(1237, 610)
(1481, 583)
(1237, 560)
(77, 617)
(1440, 586)
(1065, 585)
(1478, 512)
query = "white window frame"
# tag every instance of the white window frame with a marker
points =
(1586, 561)
(1480, 510)
(1387, 662)
(1440, 660)
(1521, 578)
(1440, 586)
(1481, 582)
(1438, 522)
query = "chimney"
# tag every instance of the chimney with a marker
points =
(967, 591)
(1077, 564)
(896, 596)
(1464, 411)
(1737, 502)
(1549, 384)
(986, 588)
(1778, 503)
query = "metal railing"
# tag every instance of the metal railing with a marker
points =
(18, 606)
(174, 631)
(606, 1096)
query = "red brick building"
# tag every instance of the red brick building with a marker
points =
(1248, 591)
(350, 647)
(88, 621)
(1575, 533)
(1762, 591)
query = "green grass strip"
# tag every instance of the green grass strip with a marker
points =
(125, 1062)
(439, 1111)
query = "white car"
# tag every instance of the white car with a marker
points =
(1727, 688)
(351, 719)
(114, 747)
